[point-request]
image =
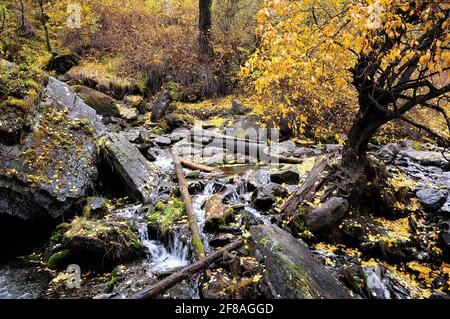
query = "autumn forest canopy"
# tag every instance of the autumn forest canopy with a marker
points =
(188, 137)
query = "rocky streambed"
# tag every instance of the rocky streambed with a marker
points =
(90, 182)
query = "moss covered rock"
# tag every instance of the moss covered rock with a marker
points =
(102, 103)
(101, 244)
(292, 271)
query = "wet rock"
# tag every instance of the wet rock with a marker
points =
(292, 271)
(50, 173)
(160, 106)
(96, 207)
(265, 196)
(102, 103)
(445, 236)
(62, 63)
(287, 148)
(221, 240)
(328, 214)
(174, 121)
(445, 209)
(432, 198)
(142, 181)
(217, 213)
(100, 244)
(289, 176)
(163, 141)
(239, 109)
(425, 158)
(258, 178)
(388, 152)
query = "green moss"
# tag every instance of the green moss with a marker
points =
(56, 237)
(198, 245)
(114, 278)
(215, 223)
(19, 104)
(166, 215)
(142, 84)
(174, 91)
(58, 260)
(418, 146)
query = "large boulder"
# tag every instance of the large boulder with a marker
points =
(50, 173)
(292, 271)
(141, 181)
(102, 103)
(95, 244)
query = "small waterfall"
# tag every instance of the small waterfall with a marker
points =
(161, 258)
(164, 259)
(197, 204)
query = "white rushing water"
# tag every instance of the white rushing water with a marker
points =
(162, 258)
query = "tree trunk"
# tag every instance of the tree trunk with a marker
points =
(209, 86)
(22, 16)
(351, 176)
(205, 23)
(44, 25)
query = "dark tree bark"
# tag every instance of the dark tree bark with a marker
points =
(205, 24)
(208, 81)
(22, 16)
(44, 19)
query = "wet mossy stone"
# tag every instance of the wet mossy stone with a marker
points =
(102, 103)
(102, 244)
(292, 271)
(59, 260)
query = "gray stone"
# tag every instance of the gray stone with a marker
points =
(102, 103)
(258, 178)
(45, 176)
(163, 140)
(431, 198)
(289, 176)
(425, 158)
(328, 214)
(265, 196)
(292, 271)
(142, 181)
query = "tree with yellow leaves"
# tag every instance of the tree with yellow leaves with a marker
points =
(389, 53)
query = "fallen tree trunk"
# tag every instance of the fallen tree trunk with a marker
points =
(197, 166)
(234, 145)
(314, 182)
(196, 238)
(186, 273)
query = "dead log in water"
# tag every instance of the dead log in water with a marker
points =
(196, 238)
(185, 273)
(233, 145)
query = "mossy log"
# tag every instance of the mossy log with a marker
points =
(196, 238)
